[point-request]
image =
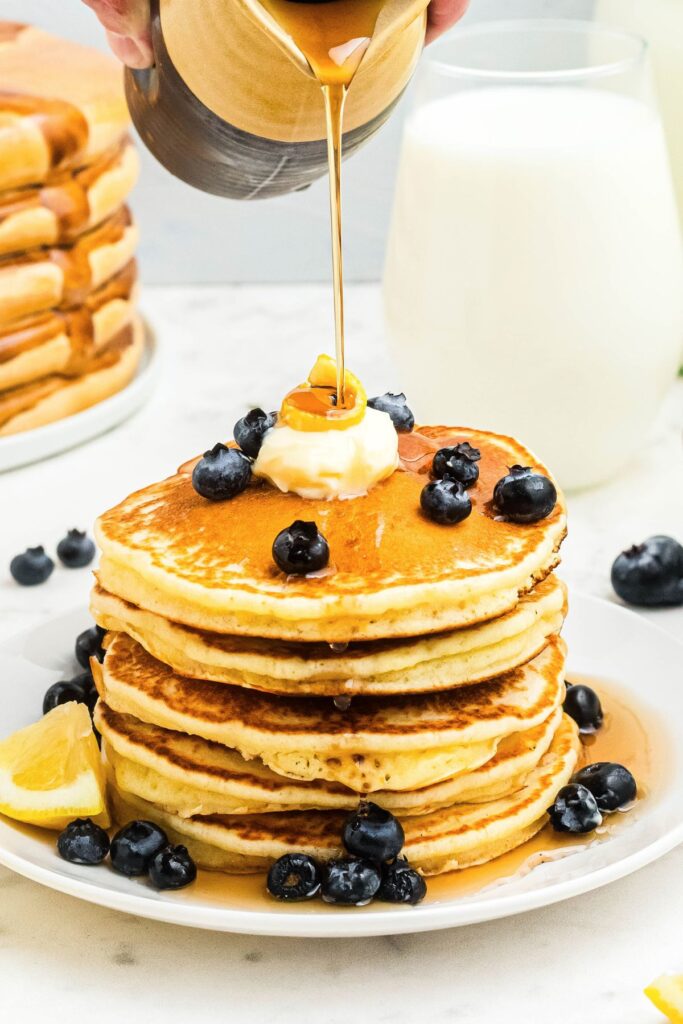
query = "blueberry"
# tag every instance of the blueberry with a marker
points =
(575, 810)
(251, 429)
(445, 501)
(611, 784)
(350, 883)
(83, 842)
(294, 877)
(172, 868)
(31, 568)
(68, 690)
(76, 549)
(134, 846)
(373, 833)
(401, 884)
(524, 496)
(301, 549)
(583, 705)
(89, 645)
(394, 406)
(651, 573)
(222, 473)
(457, 463)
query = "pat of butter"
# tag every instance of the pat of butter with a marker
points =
(330, 463)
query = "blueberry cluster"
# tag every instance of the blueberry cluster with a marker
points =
(650, 574)
(35, 566)
(139, 848)
(374, 870)
(598, 788)
(81, 687)
(225, 472)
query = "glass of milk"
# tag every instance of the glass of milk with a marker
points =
(534, 274)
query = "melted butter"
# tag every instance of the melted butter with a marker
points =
(631, 735)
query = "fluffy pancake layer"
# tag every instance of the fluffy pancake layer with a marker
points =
(382, 667)
(392, 572)
(64, 342)
(188, 776)
(457, 836)
(400, 743)
(54, 397)
(71, 204)
(62, 105)
(63, 277)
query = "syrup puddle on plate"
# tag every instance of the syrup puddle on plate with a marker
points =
(630, 736)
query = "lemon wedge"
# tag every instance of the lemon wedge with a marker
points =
(311, 406)
(666, 993)
(51, 772)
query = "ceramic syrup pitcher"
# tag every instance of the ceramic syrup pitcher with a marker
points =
(232, 107)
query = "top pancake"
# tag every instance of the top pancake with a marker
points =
(61, 105)
(392, 571)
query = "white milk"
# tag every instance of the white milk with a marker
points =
(534, 272)
(661, 23)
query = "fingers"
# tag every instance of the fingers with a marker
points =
(128, 29)
(442, 14)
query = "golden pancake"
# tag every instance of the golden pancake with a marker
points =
(43, 279)
(62, 105)
(187, 775)
(63, 341)
(454, 837)
(379, 667)
(392, 572)
(75, 202)
(398, 743)
(55, 397)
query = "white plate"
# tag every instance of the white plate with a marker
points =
(604, 640)
(34, 445)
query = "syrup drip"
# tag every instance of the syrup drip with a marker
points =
(342, 702)
(333, 37)
(63, 126)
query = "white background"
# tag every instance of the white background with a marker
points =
(188, 237)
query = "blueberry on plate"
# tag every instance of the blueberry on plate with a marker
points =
(651, 573)
(31, 567)
(457, 463)
(83, 842)
(251, 429)
(89, 645)
(350, 883)
(293, 878)
(300, 549)
(394, 406)
(373, 833)
(223, 473)
(524, 496)
(401, 884)
(583, 705)
(612, 785)
(445, 502)
(172, 868)
(67, 690)
(575, 810)
(76, 549)
(135, 845)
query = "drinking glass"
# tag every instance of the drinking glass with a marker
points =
(534, 274)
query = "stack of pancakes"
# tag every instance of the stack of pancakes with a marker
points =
(69, 334)
(247, 711)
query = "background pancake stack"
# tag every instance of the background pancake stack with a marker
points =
(69, 333)
(248, 711)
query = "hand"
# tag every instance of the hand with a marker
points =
(128, 26)
(128, 29)
(442, 14)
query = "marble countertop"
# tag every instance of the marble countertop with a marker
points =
(586, 960)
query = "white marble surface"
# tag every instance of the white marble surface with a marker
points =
(582, 961)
